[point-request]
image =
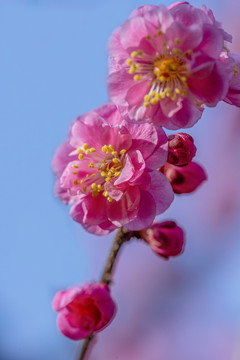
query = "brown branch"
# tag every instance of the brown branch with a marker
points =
(121, 237)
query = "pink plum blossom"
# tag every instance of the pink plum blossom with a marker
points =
(181, 149)
(233, 61)
(166, 238)
(184, 179)
(107, 168)
(83, 309)
(165, 64)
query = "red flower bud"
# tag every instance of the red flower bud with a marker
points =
(181, 149)
(184, 179)
(166, 239)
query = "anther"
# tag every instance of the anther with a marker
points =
(80, 156)
(85, 146)
(123, 151)
(75, 166)
(91, 165)
(137, 77)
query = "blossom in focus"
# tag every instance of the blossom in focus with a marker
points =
(83, 310)
(185, 179)
(166, 238)
(181, 149)
(108, 169)
(165, 64)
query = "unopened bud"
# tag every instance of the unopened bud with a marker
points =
(166, 239)
(184, 179)
(181, 149)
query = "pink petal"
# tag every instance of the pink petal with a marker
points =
(118, 84)
(184, 118)
(190, 37)
(136, 93)
(142, 10)
(90, 210)
(212, 89)
(133, 31)
(144, 137)
(117, 54)
(161, 191)
(159, 156)
(122, 211)
(212, 43)
(127, 172)
(74, 333)
(146, 213)
(61, 157)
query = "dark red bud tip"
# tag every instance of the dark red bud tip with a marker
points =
(181, 149)
(166, 238)
(184, 179)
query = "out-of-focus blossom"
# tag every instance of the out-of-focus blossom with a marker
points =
(166, 238)
(233, 61)
(181, 149)
(184, 179)
(165, 64)
(83, 309)
(108, 169)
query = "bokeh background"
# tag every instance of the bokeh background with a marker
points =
(53, 66)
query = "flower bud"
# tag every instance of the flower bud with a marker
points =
(181, 149)
(83, 310)
(166, 239)
(184, 179)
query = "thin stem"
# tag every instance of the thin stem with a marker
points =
(121, 237)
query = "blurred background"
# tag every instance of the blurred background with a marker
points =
(53, 67)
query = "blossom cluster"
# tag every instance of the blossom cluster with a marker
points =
(118, 167)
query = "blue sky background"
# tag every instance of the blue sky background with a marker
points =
(53, 67)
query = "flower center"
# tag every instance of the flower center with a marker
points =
(96, 168)
(168, 70)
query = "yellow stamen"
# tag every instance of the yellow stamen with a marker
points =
(74, 172)
(137, 77)
(109, 199)
(134, 54)
(80, 151)
(117, 173)
(95, 193)
(84, 188)
(85, 146)
(75, 166)
(105, 193)
(91, 165)
(177, 41)
(99, 187)
(92, 150)
(93, 186)
(146, 104)
(132, 70)
(129, 62)
(75, 182)
(123, 151)
(80, 156)
(103, 173)
(104, 148)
